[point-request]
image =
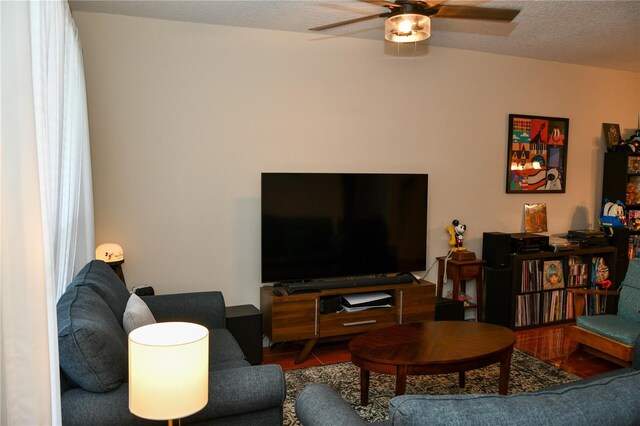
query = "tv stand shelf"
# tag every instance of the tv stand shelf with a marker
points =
(297, 317)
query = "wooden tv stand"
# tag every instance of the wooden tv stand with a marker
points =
(297, 317)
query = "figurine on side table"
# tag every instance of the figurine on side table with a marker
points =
(456, 233)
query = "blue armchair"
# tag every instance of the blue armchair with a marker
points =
(613, 337)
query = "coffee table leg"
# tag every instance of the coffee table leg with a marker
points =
(401, 380)
(505, 368)
(364, 386)
(461, 379)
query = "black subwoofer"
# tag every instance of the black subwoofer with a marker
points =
(497, 288)
(244, 322)
(449, 310)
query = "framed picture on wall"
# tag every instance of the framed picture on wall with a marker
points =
(612, 136)
(537, 154)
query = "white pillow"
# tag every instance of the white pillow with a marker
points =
(136, 314)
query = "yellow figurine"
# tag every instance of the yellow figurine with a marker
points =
(456, 231)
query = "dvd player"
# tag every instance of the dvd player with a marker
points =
(528, 243)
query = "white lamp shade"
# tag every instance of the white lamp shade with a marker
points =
(407, 28)
(110, 252)
(168, 370)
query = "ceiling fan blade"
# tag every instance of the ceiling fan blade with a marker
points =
(382, 3)
(471, 12)
(350, 21)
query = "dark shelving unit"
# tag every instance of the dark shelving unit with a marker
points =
(534, 306)
(615, 177)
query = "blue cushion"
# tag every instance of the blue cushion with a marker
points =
(609, 400)
(629, 304)
(632, 279)
(101, 278)
(91, 341)
(629, 301)
(613, 326)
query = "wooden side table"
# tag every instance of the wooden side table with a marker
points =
(459, 271)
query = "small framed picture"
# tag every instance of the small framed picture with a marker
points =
(535, 217)
(537, 154)
(553, 276)
(612, 135)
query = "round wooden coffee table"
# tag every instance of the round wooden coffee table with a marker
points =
(432, 347)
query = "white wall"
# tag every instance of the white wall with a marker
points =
(184, 117)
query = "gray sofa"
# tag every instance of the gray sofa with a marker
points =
(94, 364)
(608, 399)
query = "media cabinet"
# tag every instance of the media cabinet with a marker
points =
(297, 317)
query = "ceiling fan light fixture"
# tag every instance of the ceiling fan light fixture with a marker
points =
(407, 28)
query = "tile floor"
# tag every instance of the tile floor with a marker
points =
(546, 343)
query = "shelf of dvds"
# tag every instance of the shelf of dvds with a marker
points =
(539, 283)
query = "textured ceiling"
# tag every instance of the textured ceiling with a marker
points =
(603, 33)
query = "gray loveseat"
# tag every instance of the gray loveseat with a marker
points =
(608, 399)
(94, 364)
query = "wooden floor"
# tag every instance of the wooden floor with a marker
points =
(546, 343)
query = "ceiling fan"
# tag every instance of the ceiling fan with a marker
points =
(409, 20)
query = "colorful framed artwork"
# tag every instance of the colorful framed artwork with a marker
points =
(537, 154)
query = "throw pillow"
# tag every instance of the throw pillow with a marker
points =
(100, 277)
(136, 314)
(92, 344)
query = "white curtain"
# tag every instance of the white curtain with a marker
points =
(47, 231)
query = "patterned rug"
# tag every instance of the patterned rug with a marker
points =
(527, 374)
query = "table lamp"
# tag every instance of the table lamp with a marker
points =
(113, 254)
(168, 370)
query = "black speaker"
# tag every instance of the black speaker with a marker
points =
(244, 322)
(449, 310)
(496, 247)
(497, 289)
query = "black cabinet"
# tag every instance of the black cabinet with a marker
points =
(618, 171)
(520, 297)
(497, 288)
(536, 302)
(621, 181)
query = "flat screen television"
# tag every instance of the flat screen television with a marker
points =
(332, 225)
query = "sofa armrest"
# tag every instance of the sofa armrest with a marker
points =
(231, 392)
(206, 308)
(243, 390)
(319, 405)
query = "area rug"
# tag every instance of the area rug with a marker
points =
(527, 374)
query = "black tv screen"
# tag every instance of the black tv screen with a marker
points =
(326, 225)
